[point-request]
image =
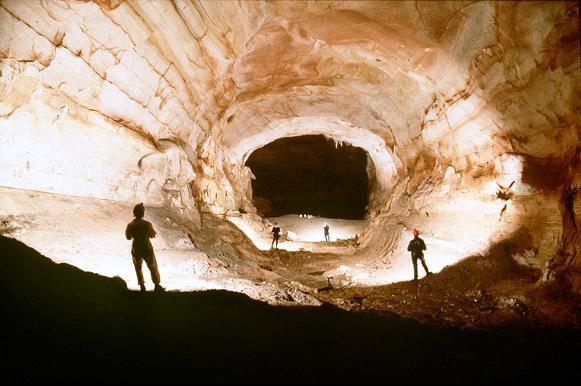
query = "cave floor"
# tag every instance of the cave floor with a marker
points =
(479, 291)
(304, 234)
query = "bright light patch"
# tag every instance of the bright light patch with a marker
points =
(439, 254)
(463, 225)
(311, 229)
(510, 168)
(304, 233)
(259, 238)
(179, 269)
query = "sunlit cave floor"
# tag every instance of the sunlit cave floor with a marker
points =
(302, 234)
(63, 324)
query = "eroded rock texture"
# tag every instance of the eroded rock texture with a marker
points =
(469, 111)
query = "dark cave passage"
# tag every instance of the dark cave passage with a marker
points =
(310, 175)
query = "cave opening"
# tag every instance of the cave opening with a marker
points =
(310, 174)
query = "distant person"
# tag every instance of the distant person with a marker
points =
(417, 248)
(141, 231)
(326, 228)
(275, 235)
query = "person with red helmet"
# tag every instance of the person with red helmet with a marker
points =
(417, 248)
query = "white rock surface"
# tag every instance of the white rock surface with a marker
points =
(162, 102)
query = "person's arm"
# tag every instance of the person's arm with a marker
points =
(410, 246)
(150, 231)
(423, 246)
(128, 232)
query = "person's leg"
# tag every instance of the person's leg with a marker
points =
(272, 244)
(425, 266)
(415, 262)
(137, 263)
(154, 271)
(276, 242)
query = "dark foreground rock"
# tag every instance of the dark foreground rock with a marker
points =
(62, 324)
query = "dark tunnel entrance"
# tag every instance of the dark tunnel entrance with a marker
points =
(310, 175)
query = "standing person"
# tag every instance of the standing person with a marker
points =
(416, 247)
(141, 231)
(275, 235)
(326, 228)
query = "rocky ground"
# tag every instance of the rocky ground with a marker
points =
(470, 295)
(479, 291)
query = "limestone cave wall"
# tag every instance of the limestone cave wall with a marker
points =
(469, 110)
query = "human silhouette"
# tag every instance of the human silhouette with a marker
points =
(326, 228)
(275, 235)
(141, 231)
(417, 248)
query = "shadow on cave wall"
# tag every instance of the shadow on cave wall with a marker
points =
(562, 268)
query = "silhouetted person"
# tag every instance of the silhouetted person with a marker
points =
(417, 248)
(326, 228)
(275, 235)
(141, 231)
